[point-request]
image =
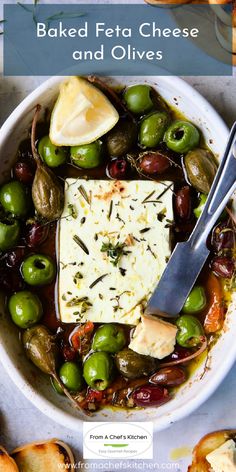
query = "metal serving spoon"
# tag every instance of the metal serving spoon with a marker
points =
(189, 257)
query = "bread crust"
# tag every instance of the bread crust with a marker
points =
(43, 456)
(207, 444)
(7, 464)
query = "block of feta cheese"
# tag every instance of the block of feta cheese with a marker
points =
(113, 245)
(154, 337)
(223, 459)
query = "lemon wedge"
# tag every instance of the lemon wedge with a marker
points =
(81, 114)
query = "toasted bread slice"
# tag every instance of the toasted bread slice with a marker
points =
(207, 444)
(7, 464)
(53, 456)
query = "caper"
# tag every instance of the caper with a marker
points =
(40, 348)
(122, 138)
(133, 365)
(201, 169)
(47, 193)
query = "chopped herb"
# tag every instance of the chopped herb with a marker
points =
(151, 251)
(167, 259)
(78, 276)
(114, 251)
(131, 207)
(99, 279)
(117, 300)
(79, 241)
(122, 271)
(64, 297)
(136, 239)
(69, 293)
(76, 313)
(112, 288)
(100, 296)
(84, 194)
(164, 191)
(110, 210)
(82, 302)
(72, 210)
(144, 230)
(149, 196)
(119, 218)
(63, 265)
(95, 237)
(82, 221)
(161, 215)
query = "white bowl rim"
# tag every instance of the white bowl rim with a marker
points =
(39, 401)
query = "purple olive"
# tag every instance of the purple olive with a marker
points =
(24, 172)
(168, 376)
(183, 203)
(222, 237)
(14, 258)
(117, 168)
(36, 234)
(10, 281)
(154, 163)
(223, 266)
(178, 354)
(150, 396)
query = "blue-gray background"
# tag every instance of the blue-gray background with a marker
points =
(25, 54)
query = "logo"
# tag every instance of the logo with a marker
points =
(118, 440)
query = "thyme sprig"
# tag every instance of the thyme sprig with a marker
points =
(82, 302)
(114, 251)
(72, 210)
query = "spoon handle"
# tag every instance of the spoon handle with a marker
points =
(222, 188)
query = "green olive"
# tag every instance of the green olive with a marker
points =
(71, 375)
(133, 365)
(25, 309)
(52, 155)
(199, 209)
(190, 331)
(152, 129)
(201, 169)
(182, 136)
(138, 99)
(98, 370)
(121, 138)
(87, 156)
(15, 198)
(38, 269)
(196, 300)
(9, 234)
(109, 337)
